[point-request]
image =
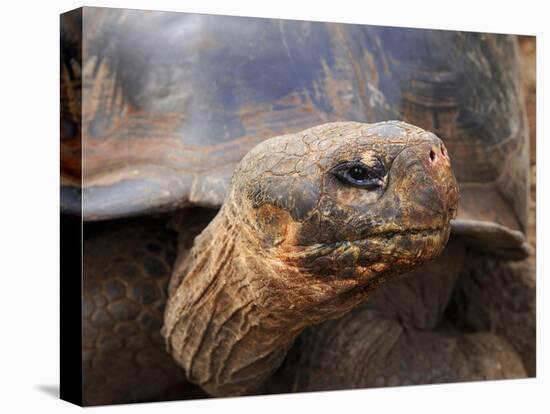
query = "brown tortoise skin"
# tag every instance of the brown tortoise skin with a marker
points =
(127, 266)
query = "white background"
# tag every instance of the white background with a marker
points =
(29, 165)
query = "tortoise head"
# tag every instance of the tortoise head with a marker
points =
(313, 222)
(347, 200)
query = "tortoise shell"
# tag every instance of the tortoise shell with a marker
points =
(159, 107)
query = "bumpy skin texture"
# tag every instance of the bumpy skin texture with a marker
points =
(384, 352)
(295, 244)
(500, 297)
(398, 337)
(127, 266)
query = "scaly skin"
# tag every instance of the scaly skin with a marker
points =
(293, 245)
(127, 266)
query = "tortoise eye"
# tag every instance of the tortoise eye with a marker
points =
(357, 174)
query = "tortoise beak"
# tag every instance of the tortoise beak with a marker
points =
(438, 165)
(435, 186)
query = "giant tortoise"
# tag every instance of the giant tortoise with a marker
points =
(264, 249)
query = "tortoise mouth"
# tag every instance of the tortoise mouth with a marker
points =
(390, 246)
(389, 234)
(416, 244)
(412, 232)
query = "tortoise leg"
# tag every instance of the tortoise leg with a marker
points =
(362, 350)
(397, 338)
(499, 296)
(127, 266)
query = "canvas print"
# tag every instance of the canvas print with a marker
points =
(259, 206)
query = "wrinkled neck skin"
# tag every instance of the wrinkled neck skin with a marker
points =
(235, 308)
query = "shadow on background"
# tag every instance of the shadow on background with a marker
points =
(51, 389)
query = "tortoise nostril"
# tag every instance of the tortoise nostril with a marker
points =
(443, 151)
(432, 155)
